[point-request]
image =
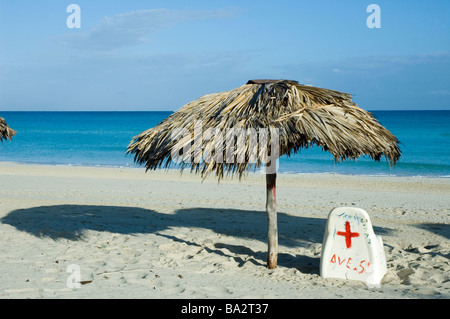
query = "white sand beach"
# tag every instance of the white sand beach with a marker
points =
(164, 235)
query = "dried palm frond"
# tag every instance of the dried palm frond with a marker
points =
(5, 131)
(301, 115)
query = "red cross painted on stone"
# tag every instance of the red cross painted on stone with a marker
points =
(348, 235)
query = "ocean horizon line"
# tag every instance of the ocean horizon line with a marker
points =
(162, 111)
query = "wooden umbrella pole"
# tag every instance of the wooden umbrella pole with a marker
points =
(271, 208)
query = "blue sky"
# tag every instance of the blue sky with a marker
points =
(159, 55)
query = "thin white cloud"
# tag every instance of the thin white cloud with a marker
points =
(418, 81)
(439, 93)
(137, 27)
(369, 64)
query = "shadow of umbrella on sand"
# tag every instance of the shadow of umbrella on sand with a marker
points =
(6, 133)
(233, 132)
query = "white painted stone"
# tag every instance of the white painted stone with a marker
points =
(350, 248)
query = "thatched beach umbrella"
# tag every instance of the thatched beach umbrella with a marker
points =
(235, 131)
(5, 131)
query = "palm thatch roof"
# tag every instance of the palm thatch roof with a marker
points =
(5, 131)
(303, 115)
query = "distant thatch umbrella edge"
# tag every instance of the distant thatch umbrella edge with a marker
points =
(6, 133)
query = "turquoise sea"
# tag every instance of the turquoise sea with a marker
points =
(101, 139)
